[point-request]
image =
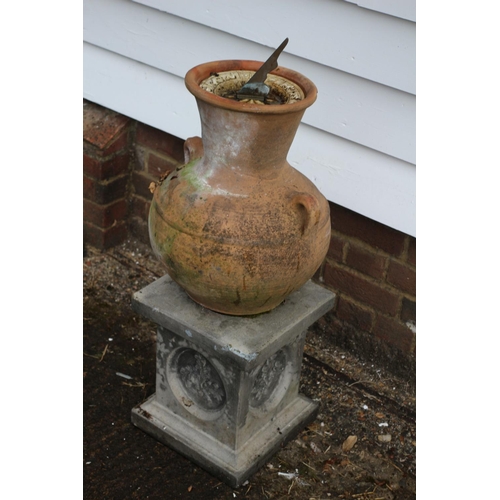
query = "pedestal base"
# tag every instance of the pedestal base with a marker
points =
(227, 386)
(233, 467)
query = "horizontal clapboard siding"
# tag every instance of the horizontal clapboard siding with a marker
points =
(405, 9)
(357, 142)
(334, 33)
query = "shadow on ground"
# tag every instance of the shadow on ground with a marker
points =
(356, 398)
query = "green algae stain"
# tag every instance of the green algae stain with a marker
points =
(190, 175)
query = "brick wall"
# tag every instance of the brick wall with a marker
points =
(121, 157)
(106, 160)
(370, 266)
(372, 269)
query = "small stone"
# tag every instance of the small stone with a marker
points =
(315, 448)
(349, 443)
(384, 438)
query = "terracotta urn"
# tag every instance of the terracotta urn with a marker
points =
(237, 227)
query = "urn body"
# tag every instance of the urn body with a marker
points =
(237, 226)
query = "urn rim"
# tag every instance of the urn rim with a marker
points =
(200, 72)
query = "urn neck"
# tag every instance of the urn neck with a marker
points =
(253, 144)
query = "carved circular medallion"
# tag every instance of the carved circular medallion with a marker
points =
(267, 379)
(200, 382)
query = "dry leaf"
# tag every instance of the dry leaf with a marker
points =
(328, 465)
(314, 426)
(349, 443)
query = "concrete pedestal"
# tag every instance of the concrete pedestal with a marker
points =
(226, 386)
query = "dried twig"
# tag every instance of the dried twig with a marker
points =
(137, 384)
(104, 353)
(100, 358)
(372, 382)
(312, 468)
(91, 355)
(354, 465)
(394, 465)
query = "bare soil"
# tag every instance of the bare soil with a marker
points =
(356, 397)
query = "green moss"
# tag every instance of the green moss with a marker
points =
(166, 246)
(189, 174)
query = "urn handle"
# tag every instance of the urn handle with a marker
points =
(193, 149)
(309, 209)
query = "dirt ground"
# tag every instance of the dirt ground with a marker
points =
(356, 397)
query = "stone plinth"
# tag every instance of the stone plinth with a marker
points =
(227, 387)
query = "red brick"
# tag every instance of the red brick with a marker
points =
(104, 216)
(89, 188)
(121, 143)
(395, 333)
(365, 261)
(375, 234)
(412, 252)
(102, 126)
(105, 169)
(360, 289)
(336, 249)
(354, 314)
(161, 165)
(141, 182)
(92, 167)
(408, 310)
(401, 277)
(104, 192)
(160, 141)
(104, 238)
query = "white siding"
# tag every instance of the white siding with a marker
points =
(406, 9)
(331, 32)
(357, 142)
